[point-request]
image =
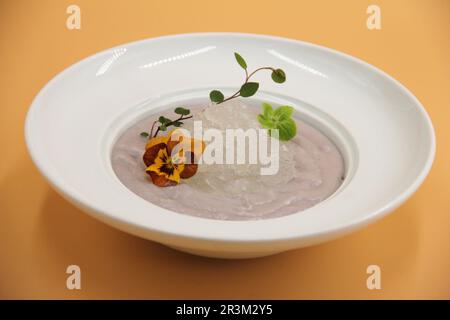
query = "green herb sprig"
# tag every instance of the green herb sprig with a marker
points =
(249, 88)
(279, 119)
(165, 123)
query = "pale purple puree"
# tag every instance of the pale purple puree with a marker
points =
(311, 169)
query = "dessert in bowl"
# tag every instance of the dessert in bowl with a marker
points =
(310, 169)
(362, 144)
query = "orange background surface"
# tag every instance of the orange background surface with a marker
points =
(41, 234)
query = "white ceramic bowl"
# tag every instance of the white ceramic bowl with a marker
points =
(384, 133)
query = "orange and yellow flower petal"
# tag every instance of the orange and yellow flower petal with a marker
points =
(164, 166)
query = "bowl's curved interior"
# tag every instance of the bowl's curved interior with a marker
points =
(309, 114)
(390, 133)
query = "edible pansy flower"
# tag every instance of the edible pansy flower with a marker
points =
(166, 167)
(171, 158)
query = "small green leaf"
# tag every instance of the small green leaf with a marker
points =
(278, 76)
(267, 110)
(240, 60)
(216, 96)
(182, 111)
(283, 113)
(287, 129)
(164, 120)
(265, 123)
(144, 134)
(163, 127)
(177, 123)
(279, 120)
(248, 89)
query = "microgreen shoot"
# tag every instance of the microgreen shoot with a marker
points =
(248, 88)
(271, 119)
(163, 123)
(279, 119)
